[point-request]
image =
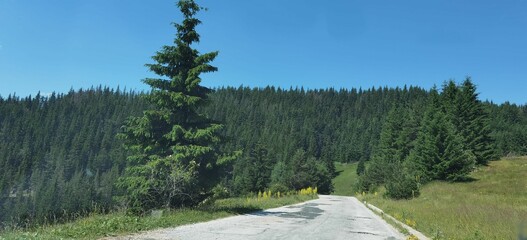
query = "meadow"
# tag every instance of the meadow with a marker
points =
(491, 206)
(344, 182)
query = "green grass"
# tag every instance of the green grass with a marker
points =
(345, 180)
(493, 206)
(115, 224)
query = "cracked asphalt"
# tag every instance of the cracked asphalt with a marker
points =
(329, 217)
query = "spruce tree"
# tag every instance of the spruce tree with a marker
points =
(361, 167)
(450, 98)
(398, 134)
(263, 166)
(439, 152)
(471, 121)
(174, 147)
(299, 176)
(401, 184)
(252, 173)
(474, 126)
(307, 171)
(280, 176)
(388, 150)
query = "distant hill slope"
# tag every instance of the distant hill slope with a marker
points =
(59, 157)
(493, 206)
(344, 182)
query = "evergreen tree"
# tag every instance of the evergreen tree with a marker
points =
(439, 152)
(174, 147)
(508, 124)
(280, 177)
(361, 168)
(401, 184)
(253, 172)
(263, 166)
(450, 98)
(300, 176)
(467, 114)
(398, 134)
(474, 126)
(52, 146)
(306, 171)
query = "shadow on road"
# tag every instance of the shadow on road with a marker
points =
(233, 209)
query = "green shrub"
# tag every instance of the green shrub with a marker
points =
(220, 191)
(402, 186)
(278, 187)
(361, 168)
(365, 184)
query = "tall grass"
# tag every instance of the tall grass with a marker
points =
(103, 225)
(493, 206)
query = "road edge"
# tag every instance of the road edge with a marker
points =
(411, 230)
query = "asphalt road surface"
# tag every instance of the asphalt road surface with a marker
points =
(329, 217)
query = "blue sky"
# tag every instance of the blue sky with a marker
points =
(56, 45)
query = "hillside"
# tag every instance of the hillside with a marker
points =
(50, 147)
(492, 206)
(346, 179)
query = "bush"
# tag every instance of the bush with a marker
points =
(280, 174)
(220, 191)
(321, 177)
(361, 168)
(368, 181)
(402, 186)
(278, 187)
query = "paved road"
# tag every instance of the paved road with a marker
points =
(329, 217)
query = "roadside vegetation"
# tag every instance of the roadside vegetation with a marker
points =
(445, 143)
(62, 156)
(120, 223)
(59, 157)
(491, 206)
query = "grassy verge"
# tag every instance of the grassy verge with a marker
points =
(97, 226)
(493, 206)
(345, 180)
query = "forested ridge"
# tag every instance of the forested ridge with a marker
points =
(59, 154)
(60, 158)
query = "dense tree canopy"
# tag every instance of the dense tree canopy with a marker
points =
(440, 152)
(452, 137)
(59, 154)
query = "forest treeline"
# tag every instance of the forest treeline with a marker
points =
(60, 157)
(446, 142)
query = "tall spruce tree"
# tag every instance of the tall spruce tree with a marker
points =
(450, 97)
(467, 114)
(439, 152)
(398, 134)
(174, 147)
(475, 127)
(252, 173)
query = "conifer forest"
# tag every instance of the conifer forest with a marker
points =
(60, 156)
(66, 155)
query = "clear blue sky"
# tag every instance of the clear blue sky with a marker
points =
(56, 45)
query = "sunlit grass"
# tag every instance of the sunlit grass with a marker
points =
(115, 224)
(492, 207)
(345, 180)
